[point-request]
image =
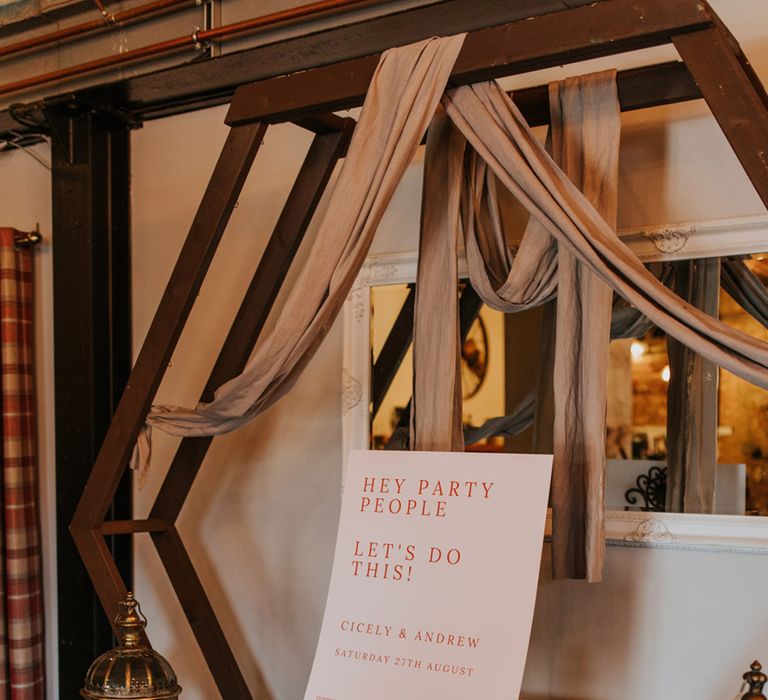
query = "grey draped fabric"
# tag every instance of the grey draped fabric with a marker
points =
(544, 416)
(404, 93)
(505, 426)
(586, 127)
(436, 353)
(585, 141)
(399, 440)
(746, 288)
(692, 399)
(497, 131)
(626, 320)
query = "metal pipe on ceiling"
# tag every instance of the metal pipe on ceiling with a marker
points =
(195, 39)
(130, 16)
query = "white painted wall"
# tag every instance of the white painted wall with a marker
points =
(663, 624)
(25, 200)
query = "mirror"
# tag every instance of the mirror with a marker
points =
(498, 370)
(495, 375)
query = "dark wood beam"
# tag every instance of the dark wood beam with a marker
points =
(600, 29)
(205, 233)
(731, 41)
(286, 238)
(92, 357)
(131, 527)
(393, 351)
(107, 579)
(205, 626)
(324, 123)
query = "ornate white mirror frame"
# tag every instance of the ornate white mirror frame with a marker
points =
(733, 533)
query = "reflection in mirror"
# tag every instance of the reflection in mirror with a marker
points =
(743, 407)
(500, 365)
(482, 370)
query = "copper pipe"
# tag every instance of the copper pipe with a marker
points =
(250, 26)
(99, 64)
(101, 7)
(106, 20)
(284, 16)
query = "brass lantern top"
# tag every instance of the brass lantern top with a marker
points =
(755, 679)
(131, 671)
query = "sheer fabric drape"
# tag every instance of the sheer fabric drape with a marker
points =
(585, 142)
(403, 96)
(493, 126)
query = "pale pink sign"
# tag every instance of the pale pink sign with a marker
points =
(434, 577)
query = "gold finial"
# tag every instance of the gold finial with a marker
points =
(755, 679)
(131, 622)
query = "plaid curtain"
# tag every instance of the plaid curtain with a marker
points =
(21, 595)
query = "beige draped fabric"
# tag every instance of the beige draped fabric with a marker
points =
(436, 407)
(492, 124)
(402, 98)
(585, 141)
(494, 128)
(586, 127)
(504, 281)
(459, 197)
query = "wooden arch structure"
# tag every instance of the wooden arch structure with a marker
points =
(713, 67)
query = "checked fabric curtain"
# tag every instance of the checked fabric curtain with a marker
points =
(21, 592)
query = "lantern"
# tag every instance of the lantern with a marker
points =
(131, 671)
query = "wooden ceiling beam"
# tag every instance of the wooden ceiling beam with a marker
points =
(600, 29)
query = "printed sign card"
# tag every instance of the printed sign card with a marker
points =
(434, 577)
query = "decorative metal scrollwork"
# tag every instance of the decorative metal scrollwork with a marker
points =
(652, 488)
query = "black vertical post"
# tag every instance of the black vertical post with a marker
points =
(92, 352)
